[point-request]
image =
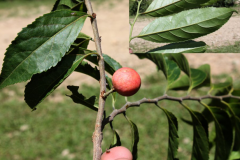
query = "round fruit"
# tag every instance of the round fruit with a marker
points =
(117, 153)
(126, 81)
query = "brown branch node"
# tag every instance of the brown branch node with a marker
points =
(94, 15)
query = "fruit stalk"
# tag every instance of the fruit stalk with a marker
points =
(97, 135)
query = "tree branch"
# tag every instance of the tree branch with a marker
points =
(116, 112)
(97, 135)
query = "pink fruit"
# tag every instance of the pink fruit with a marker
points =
(126, 81)
(117, 153)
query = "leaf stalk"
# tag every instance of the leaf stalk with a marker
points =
(135, 19)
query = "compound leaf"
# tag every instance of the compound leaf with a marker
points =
(41, 45)
(186, 25)
(91, 102)
(160, 8)
(43, 84)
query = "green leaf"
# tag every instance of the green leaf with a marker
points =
(235, 155)
(181, 84)
(181, 47)
(186, 25)
(80, 44)
(82, 41)
(156, 58)
(181, 61)
(74, 5)
(210, 2)
(109, 82)
(205, 68)
(67, 3)
(43, 84)
(135, 137)
(200, 139)
(116, 139)
(173, 71)
(197, 78)
(160, 8)
(40, 46)
(169, 68)
(111, 65)
(91, 102)
(87, 69)
(224, 87)
(113, 94)
(224, 132)
(236, 109)
(173, 134)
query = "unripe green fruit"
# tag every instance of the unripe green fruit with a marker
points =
(126, 81)
(117, 153)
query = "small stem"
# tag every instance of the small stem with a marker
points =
(109, 92)
(132, 25)
(126, 99)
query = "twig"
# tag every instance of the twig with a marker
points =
(97, 135)
(109, 92)
(116, 112)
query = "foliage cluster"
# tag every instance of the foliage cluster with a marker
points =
(178, 22)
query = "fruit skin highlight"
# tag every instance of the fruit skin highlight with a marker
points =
(117, 153)
(126, 81)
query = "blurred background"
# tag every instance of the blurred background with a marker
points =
(60, 129)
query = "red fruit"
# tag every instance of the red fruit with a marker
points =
(126, 81)
(117, 153)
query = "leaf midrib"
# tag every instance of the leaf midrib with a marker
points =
(41, 45)
(178, 27)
